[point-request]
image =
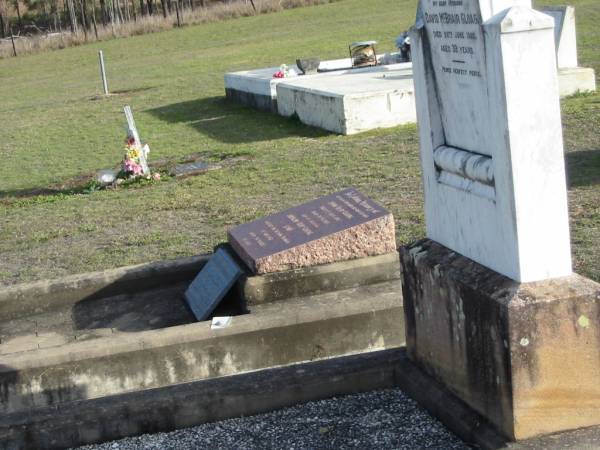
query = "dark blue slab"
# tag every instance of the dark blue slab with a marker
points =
(212, 283)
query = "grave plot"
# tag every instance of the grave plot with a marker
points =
(349, 100)
(258, 88)
(123, 336)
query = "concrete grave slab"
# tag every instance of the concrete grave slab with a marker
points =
(95, 335)
(357, 100)
(257, 87)
(332, 324)
(349, 103)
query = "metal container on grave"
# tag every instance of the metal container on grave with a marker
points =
(363, 54)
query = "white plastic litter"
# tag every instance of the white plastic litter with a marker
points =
(220, 322)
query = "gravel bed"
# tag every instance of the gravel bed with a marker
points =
(385, 419)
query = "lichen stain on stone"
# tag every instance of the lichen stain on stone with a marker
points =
(583, 321)
(189, 357)
(170, 371)
(524, 342)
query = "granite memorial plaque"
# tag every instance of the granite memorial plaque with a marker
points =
(212, 283)
(340, 226)
(193, 168)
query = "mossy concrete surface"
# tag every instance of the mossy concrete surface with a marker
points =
(109, 333)
(523, 355)
(317, 279)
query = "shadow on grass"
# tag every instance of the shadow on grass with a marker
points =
(225, 121)
(41, 192)
(122, 92)
(32, 192)
(583, 168)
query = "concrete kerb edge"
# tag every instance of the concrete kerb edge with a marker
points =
(188, 404)
(181, 334)
(42, 295)
(321, 278)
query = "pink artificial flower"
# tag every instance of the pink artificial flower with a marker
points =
(278, 74)
(156, 176)
(131, 166)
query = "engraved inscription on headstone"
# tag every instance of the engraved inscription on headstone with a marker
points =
(310, 222)
(457, 49)
(212, 283)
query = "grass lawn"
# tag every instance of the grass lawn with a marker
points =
(53, 130)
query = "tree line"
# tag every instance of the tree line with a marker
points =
(38, 16)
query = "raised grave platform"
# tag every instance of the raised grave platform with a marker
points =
(572, 80)
(258, 89)
(349, 103)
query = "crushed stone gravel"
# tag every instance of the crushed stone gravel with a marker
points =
(384, 419)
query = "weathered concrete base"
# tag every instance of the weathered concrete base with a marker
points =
(305, 281)
(524, 356)
(350, 103)
(189, 404)
(107, 333)
(472, 427)
(572, 80)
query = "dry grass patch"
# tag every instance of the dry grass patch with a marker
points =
(213, 12)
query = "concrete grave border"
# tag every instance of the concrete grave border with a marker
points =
(338, 309)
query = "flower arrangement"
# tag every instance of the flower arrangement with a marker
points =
(132, 164)
(283, 72)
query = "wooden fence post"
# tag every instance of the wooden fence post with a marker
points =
(12, 38)
(103, 72)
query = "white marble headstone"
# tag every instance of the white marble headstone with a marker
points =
(565, 34)
(491, 141)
